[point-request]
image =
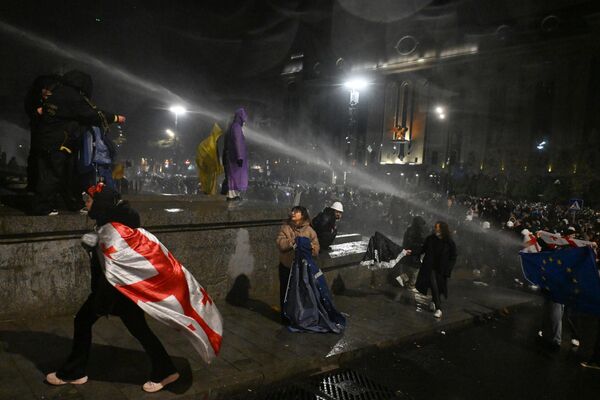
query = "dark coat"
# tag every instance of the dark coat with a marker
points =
(413, 240)
(325, 226)
(67, 110)
(440, 257)
(104, 295)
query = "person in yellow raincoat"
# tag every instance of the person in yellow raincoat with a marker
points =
(207, 160)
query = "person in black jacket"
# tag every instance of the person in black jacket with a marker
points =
(39, 91)
(413, 240)
(440, 256)
(325, 224)
(104, 205)
(63, 114)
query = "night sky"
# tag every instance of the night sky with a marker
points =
(146, 56)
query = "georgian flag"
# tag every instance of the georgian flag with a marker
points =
(531, 245)
(140, 267)
(558, 240)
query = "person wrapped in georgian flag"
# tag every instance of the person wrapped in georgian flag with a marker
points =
(144, 270)
(133, 272)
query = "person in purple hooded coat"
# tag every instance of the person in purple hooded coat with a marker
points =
(235, 158)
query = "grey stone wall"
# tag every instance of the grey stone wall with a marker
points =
(44, 271)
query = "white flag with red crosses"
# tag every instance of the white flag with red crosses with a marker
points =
(145, 271)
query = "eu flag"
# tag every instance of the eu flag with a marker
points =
(568, 276)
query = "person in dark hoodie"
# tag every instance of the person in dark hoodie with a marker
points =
(105, 205)
(413, 240)
(63, 115)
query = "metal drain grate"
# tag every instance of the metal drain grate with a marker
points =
(291, 392)
(351, 385)
(341, 384)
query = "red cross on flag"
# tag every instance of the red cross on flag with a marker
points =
(145, 271)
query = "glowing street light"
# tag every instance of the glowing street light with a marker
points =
(177, 110)
(356, 84)
(439, 110)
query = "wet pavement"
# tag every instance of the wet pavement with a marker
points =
(257, 350)
(497, 357)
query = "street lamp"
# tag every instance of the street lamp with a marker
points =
(173, 136)
(354, 85)
(177, 110)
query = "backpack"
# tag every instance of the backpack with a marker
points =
(94, 149)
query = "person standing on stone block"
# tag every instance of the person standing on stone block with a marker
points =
(298, 224)
(235, 158)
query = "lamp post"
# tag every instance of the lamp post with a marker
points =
(177, 110)
(354, 85)
(173, 136)
(441, 114)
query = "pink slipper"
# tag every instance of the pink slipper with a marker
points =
(152, 387)
(52, 379)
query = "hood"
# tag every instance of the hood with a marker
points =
(240, 116)
(79, 80)
(418, 221)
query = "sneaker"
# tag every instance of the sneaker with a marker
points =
(590, 364)
(575, 342)
(152, 387)
(432, 306)
(53, 212)
(83, 211)
(54, 380)
(437, 313)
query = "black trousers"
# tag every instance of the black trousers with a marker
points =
(55, 172)
(284, 276)
(435, 290)
(134, 320)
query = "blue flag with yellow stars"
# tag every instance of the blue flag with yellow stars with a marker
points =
(568, 276)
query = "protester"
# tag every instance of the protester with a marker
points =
(308, 305)
(104, 206)
(235, 158)
(207, 161)
(63, 114)
(325, 224)
(413, 240)
(39, 91)
(439, 258)
(297, 225)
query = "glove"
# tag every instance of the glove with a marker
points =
(240, 163)
(89, 240)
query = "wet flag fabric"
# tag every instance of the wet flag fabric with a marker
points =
(140, 267)
(382, 252)
(568, 276)
(308, 304)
